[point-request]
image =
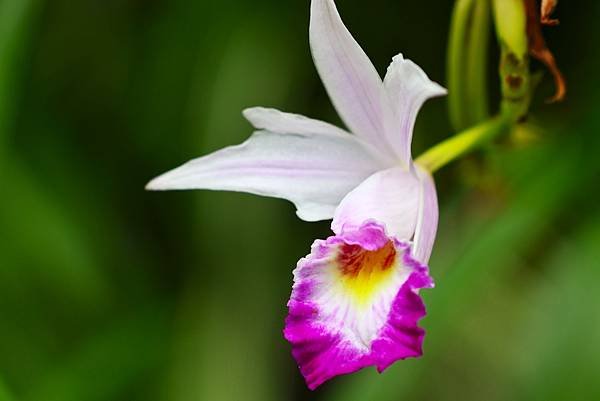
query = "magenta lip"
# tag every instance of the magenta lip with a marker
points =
(321, 351)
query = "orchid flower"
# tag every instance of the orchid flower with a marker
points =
(355, 300)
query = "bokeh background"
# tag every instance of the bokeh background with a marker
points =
(108, 292)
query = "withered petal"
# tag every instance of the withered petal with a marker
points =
(538, 48)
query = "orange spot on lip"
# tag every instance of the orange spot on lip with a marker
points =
(353, 259)
(362, 271)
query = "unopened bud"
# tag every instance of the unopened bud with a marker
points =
(511, 26)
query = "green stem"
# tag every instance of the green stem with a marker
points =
(516, 83)
(467, 78)
(476, 83)
(464, 142)
(510, 18)
(456, 59)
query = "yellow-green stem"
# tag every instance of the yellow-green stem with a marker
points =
(475, 78)
(510, 18)
(457, 55)
(464, 142)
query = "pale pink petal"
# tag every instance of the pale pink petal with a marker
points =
(408, 87)
(390, 197)
(273, 120)
(353, 84)
(355, 304)
(427, 219)
(314, 171)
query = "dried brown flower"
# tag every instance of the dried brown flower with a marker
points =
(537, 44)
(548, 7)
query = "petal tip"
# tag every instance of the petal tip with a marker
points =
(250, 112)
(400, 63)
(155, 185)
(438, 90)
(171, 180)
(398, 58)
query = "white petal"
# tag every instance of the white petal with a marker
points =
(287, 123)
(427, 219)
(390, 197)
(350, 78)
(273, 120)
(314, 171)
(408, 88)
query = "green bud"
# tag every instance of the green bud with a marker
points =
(511, 26)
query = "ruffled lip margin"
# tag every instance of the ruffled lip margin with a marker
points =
(322, 354)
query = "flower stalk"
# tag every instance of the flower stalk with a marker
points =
(476, 82)
(464, 142)
(457, 57)
(467, 65)
(511, 26)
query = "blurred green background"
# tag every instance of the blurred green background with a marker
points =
(108, 292)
